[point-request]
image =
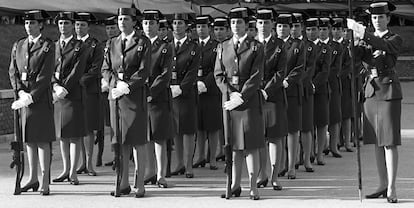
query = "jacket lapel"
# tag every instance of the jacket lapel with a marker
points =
(37, 45)
(243, 46)
(69, 46)
(132, 43)
(183, 46)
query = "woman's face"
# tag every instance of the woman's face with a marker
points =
(65, 27)
(238, 26)
(126, 23)
(380, 21)
(150, 27)
(179, 27)
(32, 27)
(282, 30)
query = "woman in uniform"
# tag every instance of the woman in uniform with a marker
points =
(70, 62)
(31, 69)
(382, 108)
(186, 60)
(238, 72)
(126, 68)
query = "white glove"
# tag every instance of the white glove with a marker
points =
(26, 98)
(285, 84)
(104, 85)
(201, 87)
(149, 99)
(17, 104)
(264, 94)
(116, 93)
(233, 103)
(55, 97)
(175, 90)
(378, 53)
(235, 95)
(123, 87)
(60, 91)
(359, 29)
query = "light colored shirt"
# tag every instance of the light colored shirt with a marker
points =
(316, 41)
(325, 41)
(34, 40)
(380, 34)
(182, 40)
(83, 39)
(128, 37)
(66, 40)
(205, 40)
(286, 39)
(300, 37)
(240, 40)
(265, 39)
(340, 40)
(153, 39)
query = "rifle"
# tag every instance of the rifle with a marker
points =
(17, 147)
(117, 164)
(228, 146)
(354, 104)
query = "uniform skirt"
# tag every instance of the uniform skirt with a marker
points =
(105, 109)
(346, 99)
(335, 115)
(321, 110)
(210, 114)
(275, 120)
(92, 108)
(38, 123)
(247, 129)
(185, 114)
(294, 113)
(133, 120)
(161, 121)
(307, 113)
(69, 119)
(382, 122)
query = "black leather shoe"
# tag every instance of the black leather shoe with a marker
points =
(98, 162)
(139, 194)
(276, 187)
(162, 183)
(74, 182)
(152, 180)
(189, 175)
(254, 197)
(336, 155)
(61, 179)
(282, 173)
(236, 193)
(376, 195)
(124, 191)
(297, 166)
(262, 183)
(348, 149)
(45, 192)
(82, 170)
(292, 177)
(312, 159)
(326, 151)
(91, 173)
(319, 162)
(200, 164)
(180, 171)
(213, 167)
(34, 186)
(109, 163)
(392, 200)
(221, 158)
(309, 170)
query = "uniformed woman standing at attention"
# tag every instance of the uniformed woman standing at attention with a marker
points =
(125, 68)
(382, 108)
(238, 72)
(31, 69)
(70, 64)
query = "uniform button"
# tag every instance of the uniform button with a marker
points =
(235, 60)
(25, 67)
(122, 56)
(27, 56)
(175, 58)
(59, 59)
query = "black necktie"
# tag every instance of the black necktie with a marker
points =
(236, 46)
(123, 44)
(177, 46)
(31, 44)
(202, 43)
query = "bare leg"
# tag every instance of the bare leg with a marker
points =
(252, 163)
(292, 142)
(126, 153)
(391, 159)
(213, 139)
(178, 144)
(150, 167)
(65, 151)
(140, 160)
(283, 155)
(201, 146)
(161, 157)
(275, 153)
(188, 144)
(334, 137)
(307, 147)
(381, 167)
(263, 163)
(220, 144)
(44, 158)
(321, 138)
(237, 169)
(88, 145)
(82, 155)
(32, 158)
(346, 130)
(74, 156)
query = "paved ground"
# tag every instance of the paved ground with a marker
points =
(333, 185)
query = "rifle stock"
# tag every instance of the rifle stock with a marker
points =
(117, 166)
(18, 151)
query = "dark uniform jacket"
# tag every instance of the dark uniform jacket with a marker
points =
(274, 70)
(69, 68)
(185, 64)
(311, 55)
(322, 67)
(387, 85)
(336, 66)
(131, 65)
(205, 71)
(91, 84)
(295, 56)
(31, 70)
